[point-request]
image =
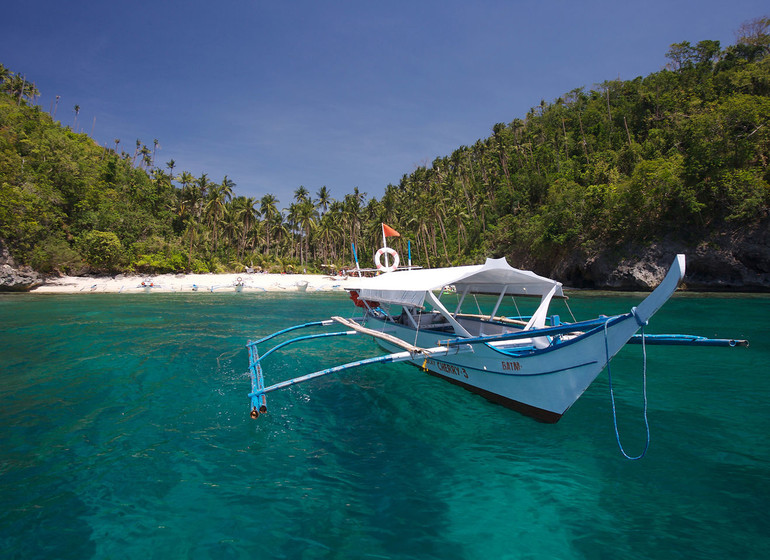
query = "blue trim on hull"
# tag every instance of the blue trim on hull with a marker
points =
(507, 374)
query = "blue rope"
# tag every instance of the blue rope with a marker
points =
(612, 392)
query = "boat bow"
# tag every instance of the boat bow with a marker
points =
(660, 295)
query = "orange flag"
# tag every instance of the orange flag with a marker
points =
(388, 231)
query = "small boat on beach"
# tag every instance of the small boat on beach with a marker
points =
(147, 285)
(535, 364)
(238, 284)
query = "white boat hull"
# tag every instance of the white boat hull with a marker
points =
(539, 383)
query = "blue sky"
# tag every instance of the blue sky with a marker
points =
(343, 94)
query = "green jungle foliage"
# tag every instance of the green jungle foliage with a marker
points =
(682, 152)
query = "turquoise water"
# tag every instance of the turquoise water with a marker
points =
(124, 433)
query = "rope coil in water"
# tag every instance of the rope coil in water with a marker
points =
(612, 392)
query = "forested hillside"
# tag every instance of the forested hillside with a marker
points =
(679, 156)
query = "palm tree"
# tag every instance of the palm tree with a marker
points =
(282, 234)
(77, 112)
(460, 215)
(190, 195)
(327, 231)
(161, 177)
(185, 178)
(389, 206)
(191, 201)
(306, 214)
(269, 210)
(324, 199)
(17, 86)
(212, 209)
(292, 219)
(146, 160)
(254, 236)
(336, 217)
(418, 223)
(191, 231)
(218, 197)
(171, 164)
(136, 151)
(301, 194)
(203, 184)
(352, 215)
(246, 215)
(227, 187)
(230, 221)
(162, 181)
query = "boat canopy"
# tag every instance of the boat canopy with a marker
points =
(496, 277)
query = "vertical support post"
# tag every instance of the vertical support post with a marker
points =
(499, 301)
(462, 299)
(355, 256)
(259, 402)
(409, 249)
(385, 246)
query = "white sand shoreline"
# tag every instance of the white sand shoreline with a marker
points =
(169, 283)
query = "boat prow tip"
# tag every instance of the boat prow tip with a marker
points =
(663, 292)
(681, 263)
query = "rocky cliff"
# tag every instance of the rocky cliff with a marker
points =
(730, 261)
(14, 278)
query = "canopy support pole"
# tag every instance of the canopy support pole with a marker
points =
(499, 301)
(438, 306)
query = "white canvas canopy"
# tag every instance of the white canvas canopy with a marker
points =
(410, 287)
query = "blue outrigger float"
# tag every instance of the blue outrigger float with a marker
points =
(534, 364)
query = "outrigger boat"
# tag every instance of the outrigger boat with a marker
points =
(534, 364)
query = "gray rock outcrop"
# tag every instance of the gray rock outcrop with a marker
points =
(14, 278)
(734, 261)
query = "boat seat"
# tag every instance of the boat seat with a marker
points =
(443, 327)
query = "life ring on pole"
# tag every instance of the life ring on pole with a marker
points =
(378, 255)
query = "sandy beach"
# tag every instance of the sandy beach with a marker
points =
(256, 282)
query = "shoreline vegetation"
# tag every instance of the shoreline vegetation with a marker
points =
(620, 176)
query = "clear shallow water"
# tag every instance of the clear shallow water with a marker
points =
(124, 432)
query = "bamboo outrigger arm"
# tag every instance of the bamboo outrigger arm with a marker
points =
(258, 389)
(377, 334)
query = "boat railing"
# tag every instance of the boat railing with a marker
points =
(518, 320)
(584, 327)
(565, 328)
